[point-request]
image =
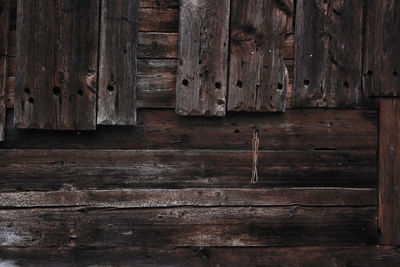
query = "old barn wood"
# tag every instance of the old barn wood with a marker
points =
(175, 190)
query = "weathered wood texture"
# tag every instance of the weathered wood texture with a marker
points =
(188, 226)
(202, 73)
(328, 53)
(377, 256)
(389, 172)
(147, 198)
(113, 169)
(117, 67)
(4, 29)
(382, 48)
(258, 78)
(56, 76)
(321, 129)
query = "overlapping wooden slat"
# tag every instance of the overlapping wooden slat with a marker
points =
(382, 48)
(201, 84)
(389, 171)
(57, 48)
(4, 27)
(117, 67)
(328, 53)
(258, 78)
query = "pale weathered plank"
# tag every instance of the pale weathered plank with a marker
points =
(328, 53)
(56, 74)
(148, 198)
(258, 77)
(4, 27)
(116, 101)
(389, 171)
(188, 226)
(382, 48)
(201, 83)
(377, 256)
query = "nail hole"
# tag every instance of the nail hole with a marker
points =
(31, 100)
(369, 73)
(200, 74)
(56, 90)
(236, 131)
(80, 92)
(185, 82)
(110, 88)
(200, 61)
(346, 85)
(306, 82)
(220, 102)
(27, 91)
(239, 84)
(224, 44)
(181, 62)
(395, 73)
(125, 51)
(218, 85)
(280, 86)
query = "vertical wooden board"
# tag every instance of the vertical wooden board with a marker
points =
(4, 26)
(258, 78)
(56, 77)
(382, 48)
(117, 66)
(203, 57)
(328, 53)
(389, 171)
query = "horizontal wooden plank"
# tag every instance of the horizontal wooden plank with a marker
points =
(157, 45)
(158, 20)
(162, 129)
(194, 226)
(147, 198)
(159, 3)
(379, 256)
(113, 169)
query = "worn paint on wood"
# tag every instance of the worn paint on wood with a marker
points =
(201, 84)
(117, 66)
(328, 53)
(4, 27)
(258, 77)
(389, 171)
(377, 256)
(57, 43)
(382, 48)
(189, 226)
(49, 169)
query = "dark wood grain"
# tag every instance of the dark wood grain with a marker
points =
(258, 77)
(378, 256)
(56, 74)
(188, 226)
(328, 53)
(157, 45)
(142, 198)
(159, 3)
(158, 19)
(4, 22)
(389, 172)
(202, 73)
(113, 169)
(161, 129)
(382, 48)
(117, 67)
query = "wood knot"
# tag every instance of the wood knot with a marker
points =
(90, 79)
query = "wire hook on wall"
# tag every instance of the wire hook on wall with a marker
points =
(255, 144)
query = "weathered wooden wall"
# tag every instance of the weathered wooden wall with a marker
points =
(130, 195)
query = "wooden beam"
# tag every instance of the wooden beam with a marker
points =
(258, 77)
(328, 53)
(201, 84)
(56, 78)
(116, 103)
(389, 171)
(4, 22)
